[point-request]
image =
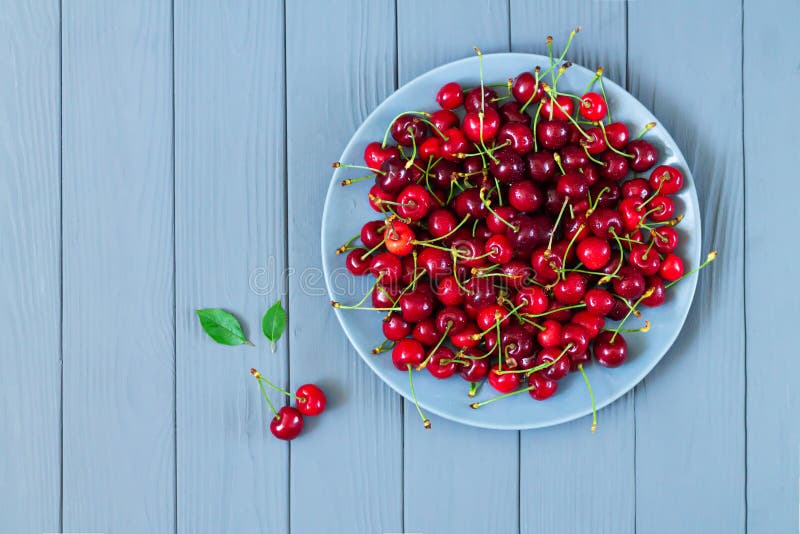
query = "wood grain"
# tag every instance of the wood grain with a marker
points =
(30, 269)
(442, 464)
(230, 227)
(771, 190)
(690, 409)
(340, 65)
(594, 473)
(118, 337)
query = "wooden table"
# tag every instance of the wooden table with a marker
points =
(156, 158)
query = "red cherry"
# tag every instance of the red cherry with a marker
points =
(310, 400)
(666, 239)
(490, 315)
(477, 129)
(525, 89)
(610, 353)
(475, 370)
(575, 339)
(551, 335)
(593, 106)
(449, 292)
(518, 135)
(551, 134)
(387, 266)
(560, 110)
(644, 154)
(629, 284)
(414, 202)
(599, 301)
(525, 196)
(670, 179)
(443, 119)
(416, 305)
(375, 155)
(591, 322)
(354, 262)
(287, 425)
(659, 294)
(671, 268)
(541, 165)
(630, 213)
(407, 352)
(426, 333)
(450, 96)
(534, 298)
(465, 338)
(615, 166)
(542, 387)
(594, 252)
(503, 382)
(455, 144)
(376, 195)
(595, 143)
(617, 134)
(451, 319)
(498, 249)
(395, 327)
(437, 367)
(570, 290)
(557, 370)
(398, 238)
(496, 221)
(662, 207)
(372, 233)
(636, 188)
(430, 148)
(645, 259)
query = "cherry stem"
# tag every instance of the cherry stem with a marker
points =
(474, 387)
(487, 203)
(597, 200)
(572, 120)
(347, 244)
(608, 144)
(434, 349)
(569, 246)
(445, 236)
(603, 92)
(711, 257)
(597, 74)
(553, 231)
(535, 90)
(631, 309)
(534, 122)
(425, 421)
(591, 396)
(383, 347)
(563, 53)
(554, 310)
(340, 165)
(358, 179)
(264, 393)
(647, 127)
(389, 128)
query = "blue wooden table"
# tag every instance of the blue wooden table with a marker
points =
(157, 157)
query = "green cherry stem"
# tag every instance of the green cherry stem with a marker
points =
(711, 257)
(591, 396)
(257, 376)
(425, 421)
(647, 127)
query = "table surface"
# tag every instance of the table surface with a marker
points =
(157, 157)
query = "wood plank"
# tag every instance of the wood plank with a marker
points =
(348, 462)
(431, 475)
(230, 227)
(690, 409)
(119, 448)
(30, 271)
(596, 471)
(773, 371)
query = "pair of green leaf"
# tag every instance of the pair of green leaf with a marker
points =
(225, 329)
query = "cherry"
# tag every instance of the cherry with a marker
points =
(377, 196)
(507, 166)
(395, 176)
(398, 238)
(541, 166)
(443, 119)
(571, 289)
(645, 155)
(416, 305)
(594, 252)
(354, 262)
(559, 108)
(591, 172)
(414, 202)
(574, 339)
(659, 294)
(615, 166)
(473, 101)
(614, 263)
(451, 320)
(311, 400)
(619, 310)
(525, 89)
(551, 335)
(617, 134)
(426, 333)
(437, 367)
(518, 135)
(552, 134)
(470, 251)
(670, 179)
(480, 292)
(450, 96)
(489, 316)
(455, 144)
(629, 284)
(384, 296)
(475, 370)
(645, 259)
(636, 188)
(497, 219)
(479, 129)
(465, 339)
(573, 158)
(469, 203)
(665, 239)
(663, 208)
(595, 143)
(557, 370)
(375, 154)
(599, 301)
(503, 382)
(408, 129)
(671, 268)
(531, 231)
(610, 349)
(440, 222)
(605, 193)
(542, 388)
(515, 272)
(430, 148)
(395, 327)
(407, 352)
(604, 222)
(498, 248)
(630, 213)
(387, 266)
(534, 298)
(515, 340)
(591, 322)
(593, 106)
(436, 262)
(287, 425)
(576, 228)
(448, 292)
(547, 264)
(572, 185)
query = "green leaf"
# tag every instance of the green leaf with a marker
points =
(274, 322)
(223, 327)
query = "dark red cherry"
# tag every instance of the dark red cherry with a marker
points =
(375, 154)
(443, 119)
(395, 327)
(395, 176)
(570, 290)
(525, 196)
(591, 322)
(617, 134)
(595, 143)
(604, 222)
(636, 188)
(436, 262)
(507, 166)
(497, 219)
(573, 158)
(510, 112)
(480, 292)
(355, 263)
(557, 370)
(416, 305)
(441, 222)
(448, 292)
(659, 294)
(450, 96)
(598, 301)
(438, 367)
(541, 166)
(610, 350)
(526, 90)
(552, 134)
(572, 185)
(619, 310)
(518, 135)
(605, 193)
(287, 425)
(387, 266)
(531, 231)
(645, 155)
(475, 370)
(408, 129)
(443, 173)
(469, 203)
(407, 352)
(451, 319)
(615, 166)
(425, 332)
(473, 101)
(515, 273)
(311, 400)
(542, 387)
(629, 283)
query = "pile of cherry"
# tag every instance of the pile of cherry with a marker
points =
(510, 236)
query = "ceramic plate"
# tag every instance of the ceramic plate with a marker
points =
(347, 208)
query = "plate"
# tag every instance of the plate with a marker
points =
(347, 208)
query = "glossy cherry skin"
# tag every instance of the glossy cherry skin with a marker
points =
(376, 198)
(495, 221)
(531, 231)
(551, 335)
(558, 109)
(666, 239)
(534, 300)
(617, 134)
(595, 143)
(636, 188)
(575, 339)
(455, 144)
(407, 352)
(645, 155)
(619, 310)
(645, 259)
(387, 266)
(398, 237)
(507, 166)
(591, 322)
(515, 272)
(599, 301)
(663, 208)
(437, 367)
(542, 387)
(671, 268)
(477, 129)
(552, 134)
(629, 284)
(610, 353)
(670, 179)
(448, 292)
(557, 370)
(443, 119)
(416, 305)
(525, 89)
(572, 185)
(499, 249)
(430, 149)
(615, 166)
(450, 96)
(503, 383)
(469, 203)
(473, 102)
(451, 319)
(489, 316)
(593, 106)
(395, 327)
(287, 425)
(510, 112)
(480, 292)
(605, 222)
(414, 202)
(594, 252)
(631, 213)
(475, 370)
(408, 129)
(541, 166)
(465, 338)
(574, 158)
(436, 262)
(311, 400)
(395, 176)
(384, 296)
(659, 294)
(354, 262)
(546, 265)
(375, 155)
(441, 222)
(517, 343)
(605, 193)
(570, 290)
(518, 135)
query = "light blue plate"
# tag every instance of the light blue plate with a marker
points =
(347, 208)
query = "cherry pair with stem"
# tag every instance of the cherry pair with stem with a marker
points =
(287, 422)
